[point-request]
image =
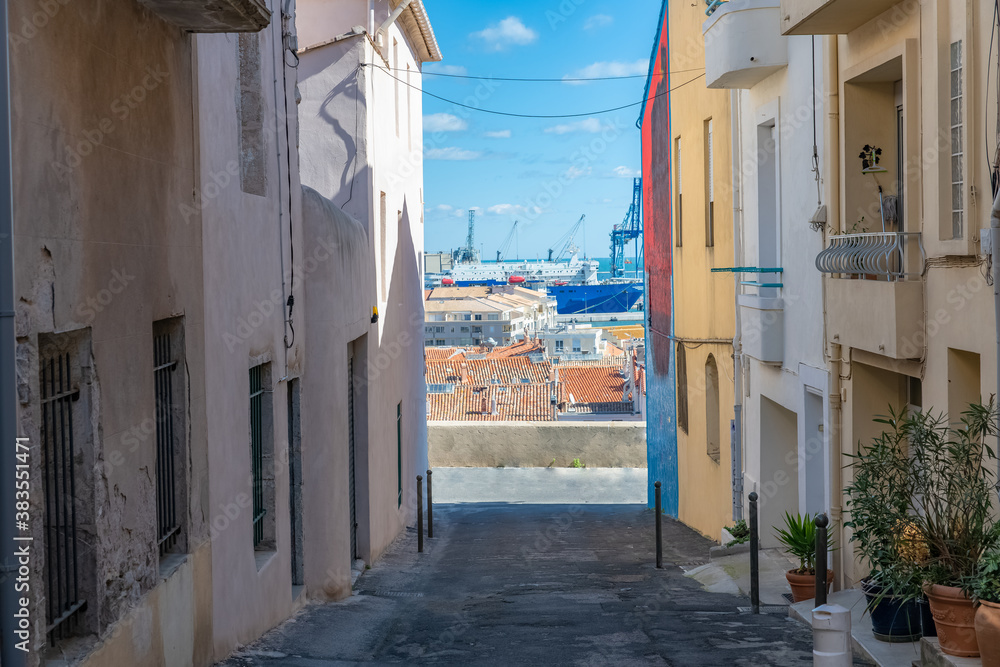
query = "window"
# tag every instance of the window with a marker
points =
(250, 112)
(478, 330)
(576, 345)
(171, 454)
(493, 317)
(709, 187)
(559, 346)
(478, 317)
(682, 388)
(466, 317)
(438, 329)
(506, 328)
(957, 151)
(399, 455)
(712, 409)
(439, 341)
(395, 68)
(66, 461)
(464, 330)
(428, 329)
(679, 213)
(262, 457)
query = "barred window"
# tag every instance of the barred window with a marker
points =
(171, 441)
(262, 457)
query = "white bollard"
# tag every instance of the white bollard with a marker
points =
(831, 636)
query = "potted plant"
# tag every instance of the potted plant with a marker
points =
(951, 506)
(877, 500)
(799, 539)
(985, 589)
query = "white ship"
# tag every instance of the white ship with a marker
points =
(574, 271)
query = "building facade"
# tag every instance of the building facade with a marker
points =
(472, 316)
(190, 486)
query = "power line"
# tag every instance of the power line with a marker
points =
(528, 115)
(562, 80)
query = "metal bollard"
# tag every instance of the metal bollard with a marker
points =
(659, 526)
(430, 508)
(420, 514)
(754, 563)
(821, 523)
(832, 636)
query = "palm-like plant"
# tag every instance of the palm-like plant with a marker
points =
(799, 539)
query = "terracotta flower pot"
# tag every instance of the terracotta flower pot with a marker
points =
(804, 585)
(954, 616)
(988, 632)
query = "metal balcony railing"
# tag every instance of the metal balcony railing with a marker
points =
(886, 255)
(713, 5)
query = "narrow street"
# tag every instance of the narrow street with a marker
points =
(510, 584)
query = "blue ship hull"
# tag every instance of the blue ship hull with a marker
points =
(594, 299)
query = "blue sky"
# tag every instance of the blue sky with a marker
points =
(543, 172)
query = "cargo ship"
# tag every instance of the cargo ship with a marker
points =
(610, 297)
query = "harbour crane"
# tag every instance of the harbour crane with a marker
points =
(566, 241)
(629, 230)
(468, 253)
(505, 246)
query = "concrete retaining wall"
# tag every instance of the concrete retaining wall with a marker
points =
(537, 444)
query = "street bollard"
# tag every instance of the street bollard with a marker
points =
(420, 514)
(821, 523)
(659, 527)
(430, 508)
(754, 563)
(832, 636)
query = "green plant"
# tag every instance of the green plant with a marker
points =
(576, 464)
(740, 532)
(799, 539)
(985, 584)
(952, 491)
(878, 503)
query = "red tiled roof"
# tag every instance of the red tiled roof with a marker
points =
(528, 402)
(593, 384)
(509, 370)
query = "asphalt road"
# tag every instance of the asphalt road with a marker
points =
(519, 584)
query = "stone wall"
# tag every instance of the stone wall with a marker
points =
(537, 444)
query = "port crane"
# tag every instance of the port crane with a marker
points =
(566, 241)
(469, 253)
(629, 230)
(505, 246)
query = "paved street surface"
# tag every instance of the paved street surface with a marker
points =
(516, 584)
(543, 486)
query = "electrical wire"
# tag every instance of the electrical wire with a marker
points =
(525, 115)
(545, 80)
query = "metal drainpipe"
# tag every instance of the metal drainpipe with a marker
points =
(735, 122)
(10, 656)
(831, 141)
(994, 235)
(392, 18)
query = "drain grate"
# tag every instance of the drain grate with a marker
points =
(397, 594)
(788, 596)
(765, 609)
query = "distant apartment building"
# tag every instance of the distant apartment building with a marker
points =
(189, 492)
(570, 341)
(465, 316)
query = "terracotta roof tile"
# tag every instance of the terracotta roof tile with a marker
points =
(509, 370)
(593, 384)
(530, 402)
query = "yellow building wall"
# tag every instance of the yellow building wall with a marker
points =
(704, 302)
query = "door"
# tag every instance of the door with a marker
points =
(351, 489)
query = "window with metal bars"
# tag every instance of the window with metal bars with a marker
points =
(262, 457)
(957, 143)
(171, 440)
(65, 463)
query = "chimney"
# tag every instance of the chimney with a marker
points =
(464, 374)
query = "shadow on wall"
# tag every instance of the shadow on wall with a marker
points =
(348, 88)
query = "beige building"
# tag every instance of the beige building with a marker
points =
(457, 316)
(909, 319)
(191, 471)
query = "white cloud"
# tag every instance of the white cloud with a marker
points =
(451, 153)
(513, 209)
(444, 122)
(598, 21)
(625, 172)
(575, 172)
(506, 33)
(585, 125)
(498, 134)
(603, 69)
(444, 208)
(438, 68)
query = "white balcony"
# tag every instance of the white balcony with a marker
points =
(762, 323)
(830, 17)
(213, 15)
(743, 43)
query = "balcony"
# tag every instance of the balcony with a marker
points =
(875, 301)
(743, 45)
(213, 15)
(829, 17)
(762, 312)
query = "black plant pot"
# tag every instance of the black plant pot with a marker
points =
(893, 620)
(927, 627)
